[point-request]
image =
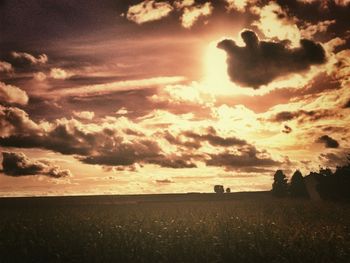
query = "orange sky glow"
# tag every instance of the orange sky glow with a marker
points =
(170, 96)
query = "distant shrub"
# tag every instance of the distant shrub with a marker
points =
(219, 189)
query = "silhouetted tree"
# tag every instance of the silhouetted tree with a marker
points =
(297, 186)
(279, 186)
(219, 189)
(326, 172)
(342, 181)
(335, 186)
(326, 184)
(228, 190)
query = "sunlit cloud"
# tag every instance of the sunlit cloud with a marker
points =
(239, 5)
(41, 59)
(274, 22)
(179, 4)
(309, 30)
(59, 73)
(5, 67)
(12, 94)
(39, 76)
(148, 10)
(122, 111)
(84, 115)
(193, 13)
(328, 141)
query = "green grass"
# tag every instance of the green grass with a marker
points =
(204, 231)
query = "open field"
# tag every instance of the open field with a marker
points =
(173, 228)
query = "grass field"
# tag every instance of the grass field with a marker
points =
(207, 230)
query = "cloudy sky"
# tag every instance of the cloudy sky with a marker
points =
(163, 96)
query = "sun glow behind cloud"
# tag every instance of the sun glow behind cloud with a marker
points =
(216, 80)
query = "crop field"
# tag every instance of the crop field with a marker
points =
(232, 230)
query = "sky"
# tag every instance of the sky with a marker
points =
(129, 97)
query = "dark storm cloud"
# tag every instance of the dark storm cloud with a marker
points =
(17, 164)
(257, 170)
(287, 129)
(328, 141)
(113, 147)
(331, 129)
(125, 153)
(347, 104)
(192, 140)
(260, 62)
(176, 140)
(303, 115)
(164, 181)
(285, 116)
(215, 139)
(104, 147)
(247, 157)
(333, 159)
(103, 105)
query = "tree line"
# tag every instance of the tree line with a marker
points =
(329, 185)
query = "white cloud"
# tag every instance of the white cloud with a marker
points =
(122, 111)
(193, 13)
(39, 76)
(59, 73)
(12, 94)
(85, 115)
(179, 4)
(5, 67)
(274, 22)
(239, 5)
(147, 11)
(41, 59)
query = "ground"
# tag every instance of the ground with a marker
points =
(174, 228)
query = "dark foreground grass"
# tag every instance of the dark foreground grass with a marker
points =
(204, 231)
